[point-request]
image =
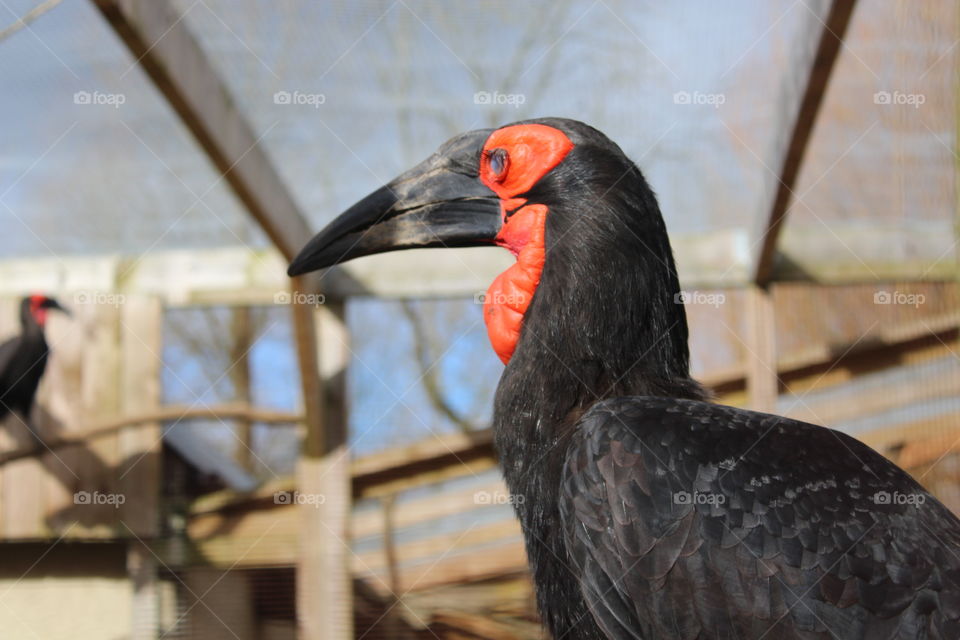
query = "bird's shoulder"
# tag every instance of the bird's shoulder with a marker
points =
(694, 434)
(744, 517)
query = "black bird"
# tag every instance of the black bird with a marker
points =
(23, 358)
(648, 511)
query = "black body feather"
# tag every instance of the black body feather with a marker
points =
(598, 425)
(691, 520)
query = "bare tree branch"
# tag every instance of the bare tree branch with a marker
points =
(429, 377)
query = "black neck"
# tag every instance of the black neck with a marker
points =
(28, 322)
(604, 322)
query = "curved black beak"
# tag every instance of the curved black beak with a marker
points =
(439, 203)
(50, 303)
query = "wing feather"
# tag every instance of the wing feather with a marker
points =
(691, 520)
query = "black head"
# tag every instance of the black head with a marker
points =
(606, 259)
(33, 309)
(454, 198)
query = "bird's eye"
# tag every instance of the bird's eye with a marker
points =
(498, 160)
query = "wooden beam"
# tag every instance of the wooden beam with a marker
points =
(166, 413)
(163, 46)
(827, 50)
(763, 385)
(324, 579)
(853, 253)
(817, 358)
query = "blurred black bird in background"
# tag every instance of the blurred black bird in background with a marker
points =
(23, 358)
(648, 511)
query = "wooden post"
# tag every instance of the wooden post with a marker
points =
(142, 569)
(139, 452)
(324, 582)
(391, 624)
(761, 352)
(241, 342)
(139, 447)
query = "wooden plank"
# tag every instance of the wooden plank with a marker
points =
(438, 504)
(854, 252)
(924, 451)
(761, 352)
(430, 471)
(823, 62)
(140, 448)
(908, 340)
(837, 408)
(271, 522)
(83, 377)
(458, 567)
(23, 504)
(479, 459)
(107, 429)
(280, 520)
(511, 595)
(425, 550)
(238, 275)
(454, 445)
(874, 357)
(161, 43)
(238, 552)
(455, 625)
(900, 435)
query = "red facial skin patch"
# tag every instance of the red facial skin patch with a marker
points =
(532, 150)
(511, 292)
(39, 313)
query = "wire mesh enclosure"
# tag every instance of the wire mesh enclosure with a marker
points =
(218, 451)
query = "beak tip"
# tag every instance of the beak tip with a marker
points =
(303, 263)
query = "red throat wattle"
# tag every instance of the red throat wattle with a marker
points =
(531, 151)
(38, 312)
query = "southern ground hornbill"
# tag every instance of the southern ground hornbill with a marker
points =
(23, 358)
(648, 511)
